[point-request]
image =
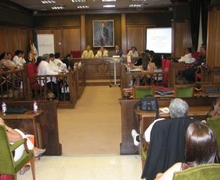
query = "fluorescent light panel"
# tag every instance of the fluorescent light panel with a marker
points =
(57, 7)
(108, 0)
(48, 1)
(82, 7)
(134, 5)
(108, 6)
(139, 0)
(78, 1)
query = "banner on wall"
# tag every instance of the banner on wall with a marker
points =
(45, 44)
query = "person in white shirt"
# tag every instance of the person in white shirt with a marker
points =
(133, 52)
(19, 58)
(43, 68)
(187, 58)
(53, 64)
(102, 52)
(88, 53)
(62, 66)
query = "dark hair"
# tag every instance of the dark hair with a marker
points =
(3, 55)
(51, 55)
(39, 59)
(17, 52)
(189, 49)
(57, 55)
(201, 144)
(68, 55)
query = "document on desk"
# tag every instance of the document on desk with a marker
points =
(164, 110)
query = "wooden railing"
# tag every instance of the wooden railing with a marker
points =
(66, 88)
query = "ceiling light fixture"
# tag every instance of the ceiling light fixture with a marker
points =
(108, 0)
(82, 7)
(48, 1)
(78, 1)
(109, 6)
(134, 5)
(57, 7)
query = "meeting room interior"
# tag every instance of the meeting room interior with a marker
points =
(75, 74)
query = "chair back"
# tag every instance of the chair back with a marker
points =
(141, 91)
(6, 158)
(183, 91)
(201, 172)
(214, 123)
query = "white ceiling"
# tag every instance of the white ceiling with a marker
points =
(36, 5)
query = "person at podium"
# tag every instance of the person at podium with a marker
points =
(102, 52)
(87, 53)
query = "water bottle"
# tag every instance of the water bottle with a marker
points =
(35, 107)
(4, 109)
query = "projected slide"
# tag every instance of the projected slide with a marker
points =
(159, 40)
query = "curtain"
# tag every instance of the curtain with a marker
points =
(198, 7)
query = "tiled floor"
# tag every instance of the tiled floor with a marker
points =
(86, 167)
(90, 136)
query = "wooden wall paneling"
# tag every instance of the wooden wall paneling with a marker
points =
(23, 40)
(83, 32)
(181, 38)
(4, 39)
(44, 31)
(58, 41)
(13, 39)
(136, 37)
(123, 33)
(71, 40)
(213, 38)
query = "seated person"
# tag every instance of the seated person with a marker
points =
(102, 52)
(117, 51)
(133, 52)
(18, 59)
(187, 58)
(66, 60)
(178, 108)
(200, 148)
(216, 108)
(16, 135)
(61, 65)
(87, 53)
(5, 63)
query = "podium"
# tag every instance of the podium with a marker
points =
(114, 61)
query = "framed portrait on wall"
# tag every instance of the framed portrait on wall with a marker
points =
(103, 33)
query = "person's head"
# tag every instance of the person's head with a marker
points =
(102, 48)
(151, 54)
(188, 50)
(202, 48)
(201, 144)
(103, 24)
(68, 56)
(9, 56)
(46, 57)
(39, 59)
(133, 48)
(57, 55)
(88, 48)
(117, 47)
(3, 56)
(51, 57)
(178, 108)
(18, 53)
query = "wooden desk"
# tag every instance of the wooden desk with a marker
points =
(48, 123)
(147, 117)
(127, 114)
(27, 116)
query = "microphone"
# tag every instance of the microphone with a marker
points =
(208, 113)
